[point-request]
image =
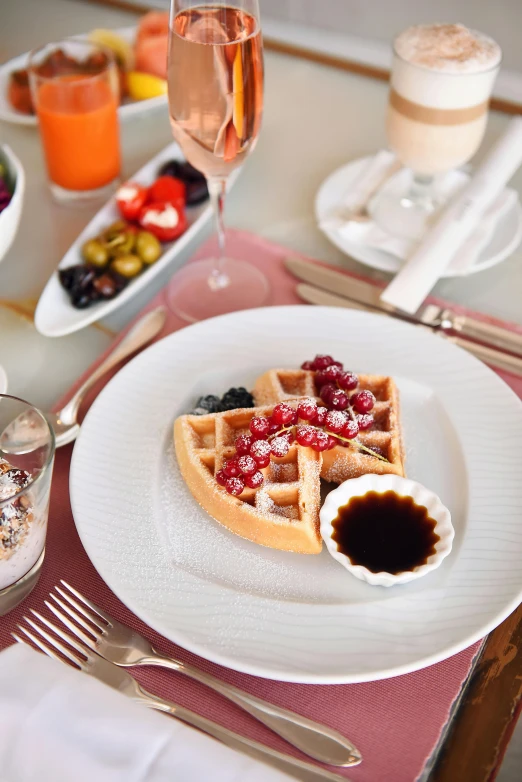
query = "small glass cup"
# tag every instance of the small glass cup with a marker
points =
(26, 468)
(75, 90)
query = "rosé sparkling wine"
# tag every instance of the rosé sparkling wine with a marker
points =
(215, 81)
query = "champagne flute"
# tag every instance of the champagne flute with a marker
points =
(215, 80)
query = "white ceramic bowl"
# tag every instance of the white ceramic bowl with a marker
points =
(10, 217)
(358, 487)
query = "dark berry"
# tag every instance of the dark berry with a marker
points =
(308, 365)
(306, 409)
(320, 379)
(338, 400)
(235, 486)
(210, 403)
(260, 427)
(247, 465)
(347, 381)
(237, 397)
(326, 392)
(335, 421)
(243, 443)
(254, 481)
(221, 477)
(305, 435)
(350, 429)
(321, 362)
(363, 401)
(284, 415)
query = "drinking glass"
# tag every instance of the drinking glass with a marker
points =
(215, 83)
(435, 123)
(26, 467)
(75, 90)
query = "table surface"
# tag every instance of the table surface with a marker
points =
(316, 118)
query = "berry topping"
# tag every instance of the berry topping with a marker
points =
(284, 415)
(308, 365)
(365, 421)
(237, 397)
(350, 429)
(332, 373)
(327, 391)
(254, 481)
(235, 486)
(231, 468)
(306, 409)
(321, 362)
(247, 465)
(221, 478)
(243, 443)
(338, 400)
(210, 403)
(280, 446)
(321, 441)
(260, 449)
(289, 436)
(376, 450)
(274, 426)
(347, 381)
(337, 364)
(332, 442)
(305, 435)
(335, 421)
(320, 417)
(363, 402)
(260, 427)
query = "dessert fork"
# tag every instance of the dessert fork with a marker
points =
(125, 647)
(108, 673)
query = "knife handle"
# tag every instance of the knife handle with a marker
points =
(491, 356)
(485, 332)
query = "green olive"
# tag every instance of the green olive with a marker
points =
(148, 247)
(125, 243)
(127, 265)
(95, 254)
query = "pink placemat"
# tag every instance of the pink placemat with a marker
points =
(395, 723)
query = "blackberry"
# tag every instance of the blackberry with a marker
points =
(210, 404)
(237, 397)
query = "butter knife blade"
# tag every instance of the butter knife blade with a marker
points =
(486, 354)
(443, 320)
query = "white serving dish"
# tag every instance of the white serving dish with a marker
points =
(126, 110)
(3, 380)
(358, 487)
(10, 217)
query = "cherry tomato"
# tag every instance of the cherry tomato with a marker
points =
(131, 198)
(164, 220)
(170, 190)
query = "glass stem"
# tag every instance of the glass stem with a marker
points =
(420, 193)
(217, 188)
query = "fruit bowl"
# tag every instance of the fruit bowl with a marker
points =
(10, 216)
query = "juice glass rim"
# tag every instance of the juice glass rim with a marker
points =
(111, 60)
(50, 456)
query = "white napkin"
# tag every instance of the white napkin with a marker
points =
(371, 235)
(60, 725)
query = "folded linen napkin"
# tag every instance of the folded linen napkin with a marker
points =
(59, 725)
(372, 235)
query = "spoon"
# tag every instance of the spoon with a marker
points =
(65, 421)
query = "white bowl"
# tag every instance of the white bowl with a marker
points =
(358, 487)
(10, 217)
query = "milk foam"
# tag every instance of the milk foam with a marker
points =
(448, 48)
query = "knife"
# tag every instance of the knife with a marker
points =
(439, 319)
(489, 355)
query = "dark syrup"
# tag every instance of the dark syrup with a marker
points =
(385, 532)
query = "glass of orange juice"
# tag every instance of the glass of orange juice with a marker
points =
(75, 87)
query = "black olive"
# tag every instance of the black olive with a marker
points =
(105, 285)
(81, 301)
(181, 170)
(67, 277)
(119, 281)
(197, 192)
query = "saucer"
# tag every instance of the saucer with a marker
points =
(505, 239)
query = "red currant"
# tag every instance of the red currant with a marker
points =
(280, 447)
(260, 449)
(306, 409)
(332, 373)
(235, 486)
(347, 381)
(350, 429)
(332, 442)
(247, 465)
(320, 379)
(283, 414)
(260, 426)
(274, 426)
(337, 364)
(365, 421)
(231, 468)
(305, 435)
(243, 443)
(307, 365)
(321, 362)
(289, 437)
(221, 478)
(263, 461)
(254, 481)
(320, 417)
(335, 421)
(378, 451)
(363, 401)
(338, 400)
(326, 392)
(321, 441)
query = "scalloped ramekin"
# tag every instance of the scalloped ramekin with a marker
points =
(358, 487)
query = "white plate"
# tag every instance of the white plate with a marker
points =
(288, 616)
(3, 380)
(504, 241)
(55, 315)
(9, 114)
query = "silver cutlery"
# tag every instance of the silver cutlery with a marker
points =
(119, 679)
(65, 421)
(124, 647)
(441, 320)
(497, 358)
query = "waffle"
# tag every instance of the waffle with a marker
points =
(340, 464)
(283, 513)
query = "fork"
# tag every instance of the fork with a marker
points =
(125, 647)
(94, 665)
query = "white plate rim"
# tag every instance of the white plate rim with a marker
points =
(3, 380)
(472, 369)
(386, 262)
(126, 110)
